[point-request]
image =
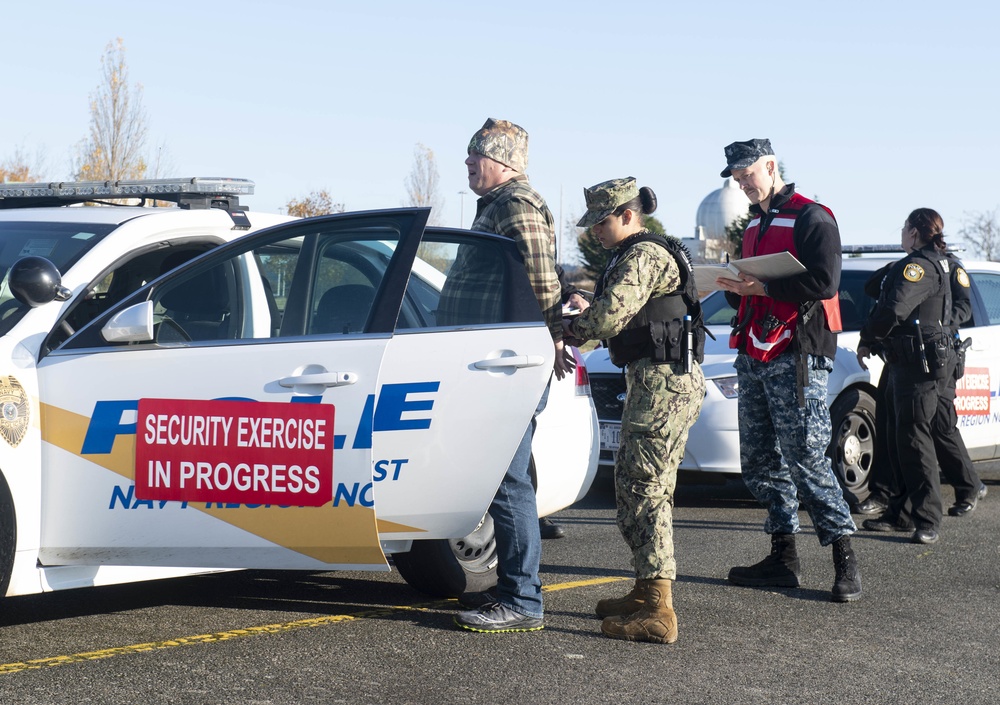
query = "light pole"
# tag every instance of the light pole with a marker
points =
(461, 218)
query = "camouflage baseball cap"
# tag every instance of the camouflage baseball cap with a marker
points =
(502, 141)
(740, 155)
(603, 199)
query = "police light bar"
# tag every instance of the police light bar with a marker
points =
(139, 188)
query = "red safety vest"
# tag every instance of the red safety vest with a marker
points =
(772, 323)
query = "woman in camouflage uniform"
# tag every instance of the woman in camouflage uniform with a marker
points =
(639, 310)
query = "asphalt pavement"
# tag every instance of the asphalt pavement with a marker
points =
(925, 631)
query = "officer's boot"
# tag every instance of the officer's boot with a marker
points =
(847, 583)
(621, 606)
(654, 621)
(779, 569)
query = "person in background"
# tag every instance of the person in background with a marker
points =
(912, 323)
(496, 164)
(642, 301)
(785, 332)
(952, 455)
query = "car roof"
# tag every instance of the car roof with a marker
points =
(107, 215)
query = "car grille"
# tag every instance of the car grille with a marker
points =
(605, 390)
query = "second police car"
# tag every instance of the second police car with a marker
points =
(194, 388)
(713, 443)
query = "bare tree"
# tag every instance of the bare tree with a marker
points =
(422, 184)
(117, 139)
(982, 231)
(316, 203)
(18, 167)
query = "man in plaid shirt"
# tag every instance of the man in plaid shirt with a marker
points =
(498, 157)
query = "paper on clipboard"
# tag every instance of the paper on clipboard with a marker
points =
(763, 267)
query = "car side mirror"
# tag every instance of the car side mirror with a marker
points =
(130, 325)
(35, 281)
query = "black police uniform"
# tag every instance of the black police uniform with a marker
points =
(952, 455)
(920, 358)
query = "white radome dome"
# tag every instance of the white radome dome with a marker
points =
(720, 208)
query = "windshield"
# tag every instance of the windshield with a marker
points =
(61, 243)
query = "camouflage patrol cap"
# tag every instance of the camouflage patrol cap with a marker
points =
(740, 155)
(603, 199)
(502, 141)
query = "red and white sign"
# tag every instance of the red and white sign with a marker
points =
(972, 392)
(234, 452)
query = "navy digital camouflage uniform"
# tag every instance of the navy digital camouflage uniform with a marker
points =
(783, 438)
(662, 402)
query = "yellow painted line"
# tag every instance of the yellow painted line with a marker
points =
(36, 664)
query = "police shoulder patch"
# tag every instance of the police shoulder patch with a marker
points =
(913, 272)
(962, 276)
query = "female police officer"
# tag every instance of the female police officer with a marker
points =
(911, 322)
(646, 309)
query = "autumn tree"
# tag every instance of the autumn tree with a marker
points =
(982, 231)
(117, 139)
(316, 203)
(18, 167)
(422, 183)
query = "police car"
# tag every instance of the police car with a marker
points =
(196, 388)
(713, 443)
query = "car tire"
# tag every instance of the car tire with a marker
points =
(449, 567)
(8, 535)
(852, 443)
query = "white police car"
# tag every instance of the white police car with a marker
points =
(713, 442)
(148, 357)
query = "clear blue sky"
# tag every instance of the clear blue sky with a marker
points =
(876, 107)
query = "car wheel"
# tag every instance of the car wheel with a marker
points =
(8, 535)
(449, 567)
(852, 444)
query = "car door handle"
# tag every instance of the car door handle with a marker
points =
(325, 379)
(517, 361)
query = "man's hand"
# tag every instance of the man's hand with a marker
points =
(746, 286)
(578, 302)
(863, 352)
(565, 362)
(568, 337)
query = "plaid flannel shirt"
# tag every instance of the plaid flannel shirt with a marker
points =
(472, 293)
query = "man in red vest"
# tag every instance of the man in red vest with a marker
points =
(786, 334)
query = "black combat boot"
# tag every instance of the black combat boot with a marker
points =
(847, 583)
(780, 569)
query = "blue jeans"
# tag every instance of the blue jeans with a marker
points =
(515, 521)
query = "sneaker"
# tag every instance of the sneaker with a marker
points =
(549, 529)
(982, 490)
(475, 600)
(495, 618)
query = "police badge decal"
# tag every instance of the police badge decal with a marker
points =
(13, 411)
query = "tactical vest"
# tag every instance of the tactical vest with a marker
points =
(659, 330)
(766, 326)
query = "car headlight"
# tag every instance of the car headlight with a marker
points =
(729, 386)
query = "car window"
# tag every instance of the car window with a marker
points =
(989, 290)
(317, 277)
(61, 243)
(463, 280)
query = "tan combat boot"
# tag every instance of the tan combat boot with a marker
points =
(654, 621)
(621, 606)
